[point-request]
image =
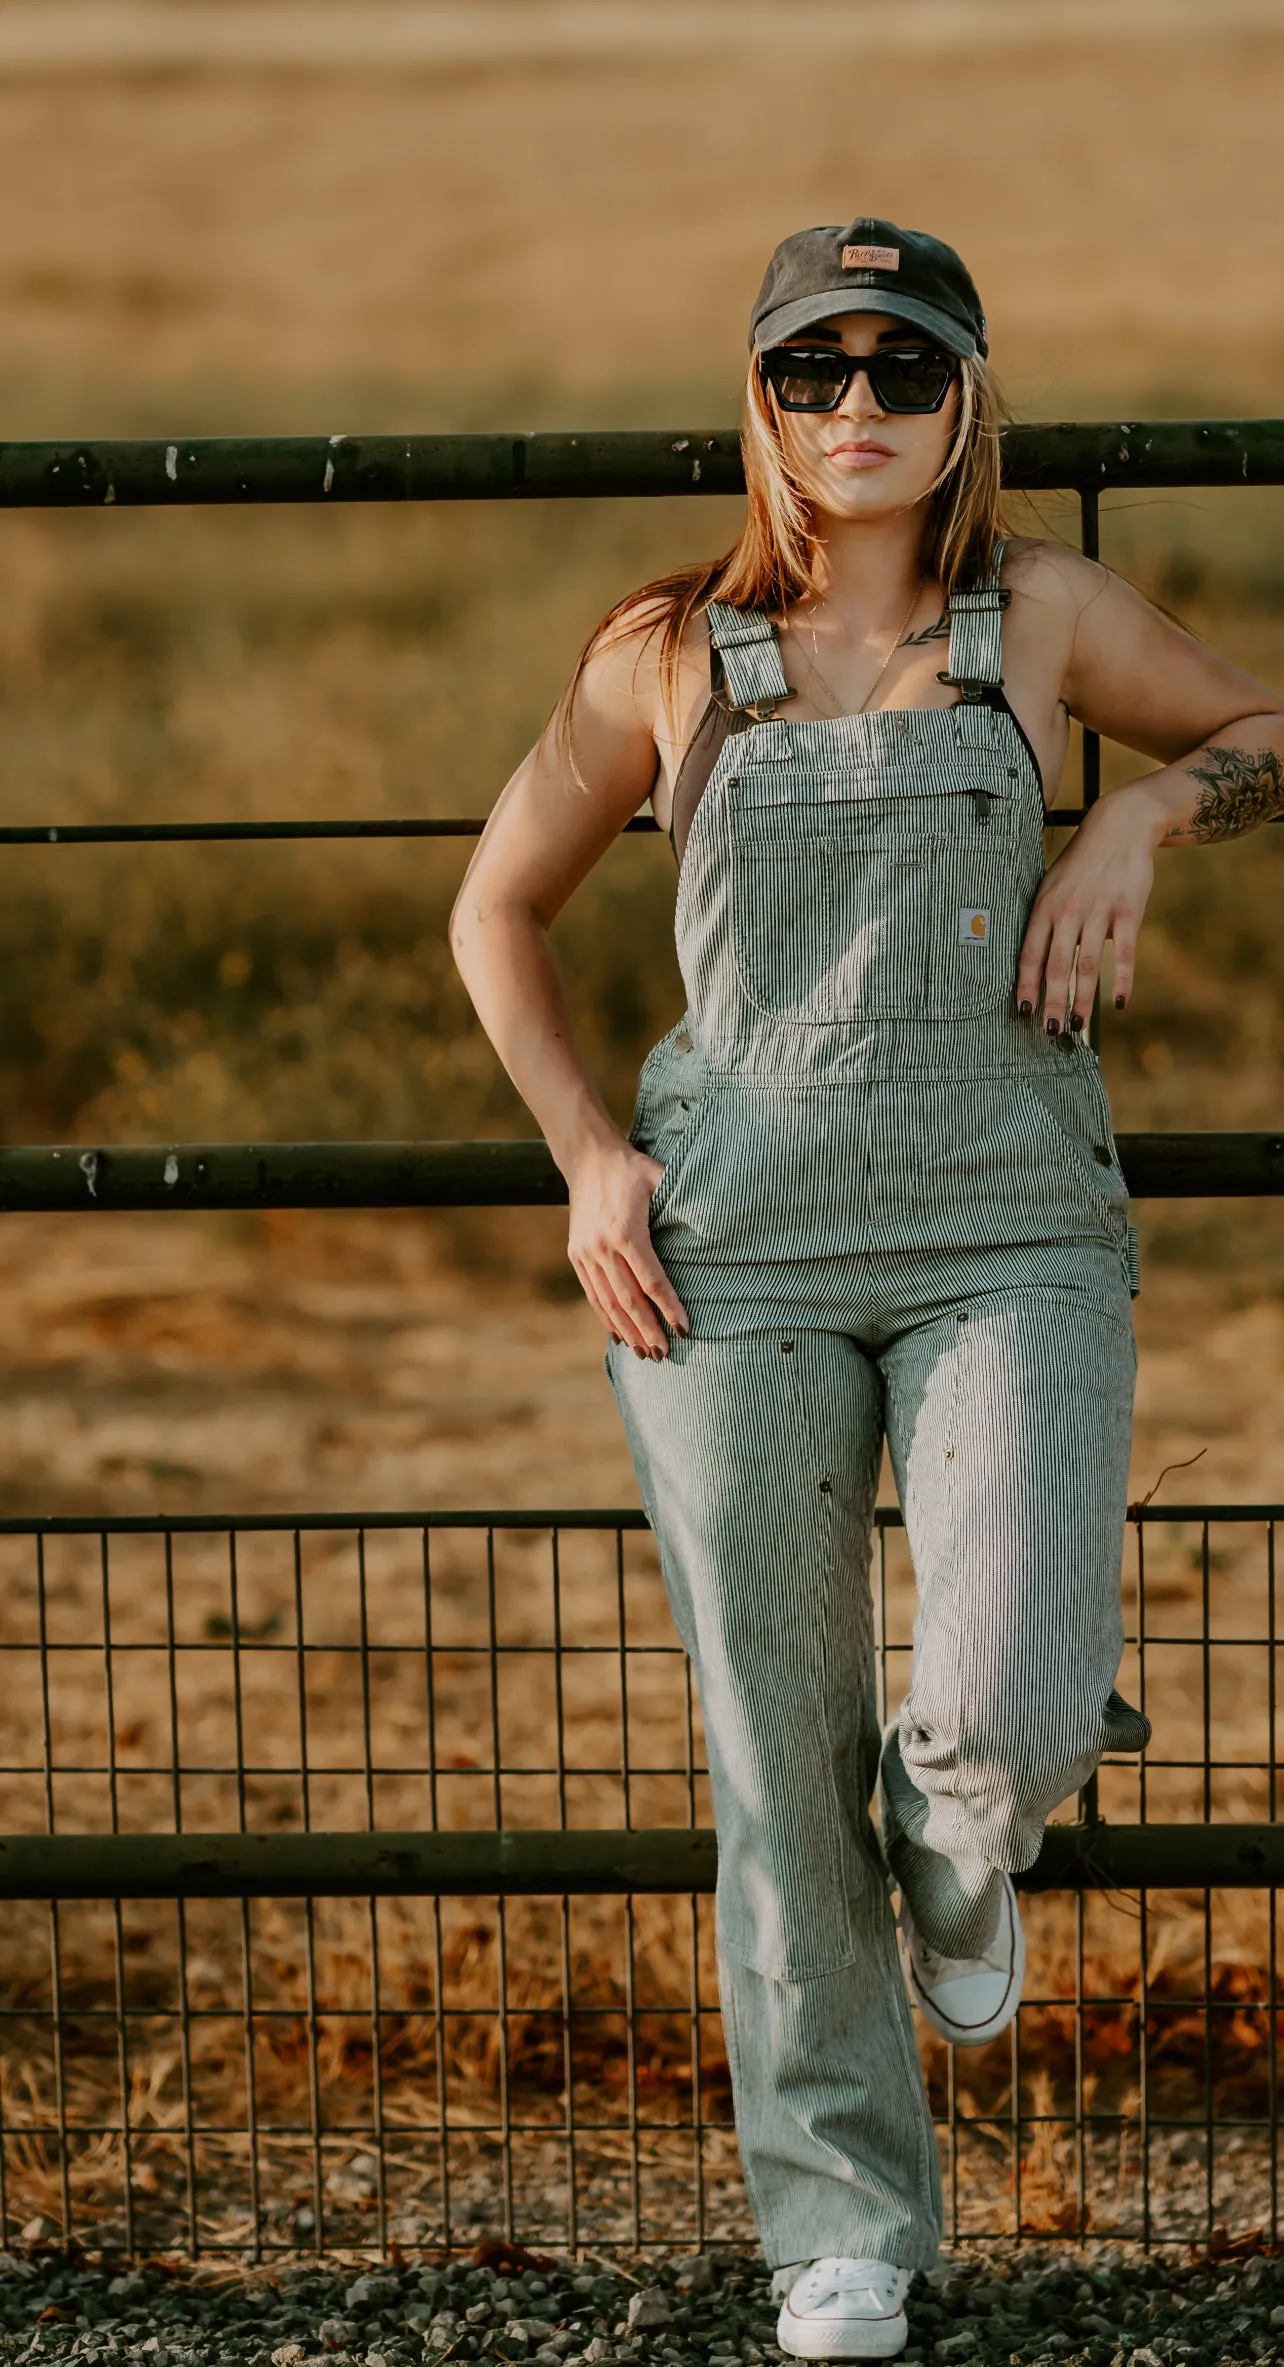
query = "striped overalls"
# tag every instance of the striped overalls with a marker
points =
(894, 1211)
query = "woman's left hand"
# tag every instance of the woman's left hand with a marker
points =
(1097, 889)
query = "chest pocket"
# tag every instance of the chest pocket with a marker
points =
(906, 901)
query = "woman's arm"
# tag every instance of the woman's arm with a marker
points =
(545, 835)
(1138, 678)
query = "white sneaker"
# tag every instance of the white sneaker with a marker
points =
(841, 2309)
(968, 1999)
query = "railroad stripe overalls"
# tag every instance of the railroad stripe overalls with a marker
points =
(893, 1210)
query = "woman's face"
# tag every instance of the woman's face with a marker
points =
(860, 462)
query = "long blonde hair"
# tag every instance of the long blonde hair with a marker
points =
(770, 565)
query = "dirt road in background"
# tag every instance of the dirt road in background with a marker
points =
(362, 1363)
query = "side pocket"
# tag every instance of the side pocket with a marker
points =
(672, 1143)
(1072, 1105)
(672, 1096)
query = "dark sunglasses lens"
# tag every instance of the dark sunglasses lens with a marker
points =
(912, 381)
(806, 381)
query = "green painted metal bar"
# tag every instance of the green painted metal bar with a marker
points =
(510, 1864)
(630, 462)
(481, 1174)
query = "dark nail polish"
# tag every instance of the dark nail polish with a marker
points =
(1120, 1002)
(1076, 1021)
(1054, 1027)
(1027, 1010)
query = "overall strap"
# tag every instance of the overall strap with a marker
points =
(976, 636)
(746, 642)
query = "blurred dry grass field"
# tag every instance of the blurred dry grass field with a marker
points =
(509, 242)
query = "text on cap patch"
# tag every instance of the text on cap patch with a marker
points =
(871, 258)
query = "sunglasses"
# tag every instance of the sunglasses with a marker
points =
(816, 378)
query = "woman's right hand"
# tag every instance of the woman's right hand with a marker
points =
(609, 1246)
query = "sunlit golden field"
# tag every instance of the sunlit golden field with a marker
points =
(508, 243)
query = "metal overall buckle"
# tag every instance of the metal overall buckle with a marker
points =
(973, 689)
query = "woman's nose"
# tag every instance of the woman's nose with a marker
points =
(860, 402)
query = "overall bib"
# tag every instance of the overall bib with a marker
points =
(894, 1212)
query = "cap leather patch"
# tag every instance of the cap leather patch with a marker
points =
(871, 258)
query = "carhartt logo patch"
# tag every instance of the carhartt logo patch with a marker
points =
(871, 258)
(974, 928)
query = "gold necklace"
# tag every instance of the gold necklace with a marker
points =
(894, 645)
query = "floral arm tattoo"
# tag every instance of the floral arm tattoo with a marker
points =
(1238, 791)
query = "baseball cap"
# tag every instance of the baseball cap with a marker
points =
(871, 266)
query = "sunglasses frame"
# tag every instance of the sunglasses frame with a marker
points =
(853, 364)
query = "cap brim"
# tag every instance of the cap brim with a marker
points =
(832, 303)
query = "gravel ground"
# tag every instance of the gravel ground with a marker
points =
(1097, 2309)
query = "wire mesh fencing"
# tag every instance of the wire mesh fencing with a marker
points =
(261, 2070)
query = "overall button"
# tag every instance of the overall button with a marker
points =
(1101, 1153)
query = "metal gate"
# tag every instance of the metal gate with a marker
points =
(441, 1776)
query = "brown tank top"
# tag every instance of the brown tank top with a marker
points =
(704, 747)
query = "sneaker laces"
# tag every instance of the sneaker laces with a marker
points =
(833, 2281)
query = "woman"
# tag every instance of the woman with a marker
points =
(870, 1193)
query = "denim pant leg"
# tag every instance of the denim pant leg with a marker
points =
(757, 1458)
(1008, 1420)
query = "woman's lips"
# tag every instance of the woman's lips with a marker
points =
(863, 455)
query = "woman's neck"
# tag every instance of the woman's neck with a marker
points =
(862, 566)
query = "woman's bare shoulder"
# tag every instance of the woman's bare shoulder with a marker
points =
(1052, 574)
(626, 661)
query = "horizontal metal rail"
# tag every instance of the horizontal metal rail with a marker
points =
(1097, 1856)
(523, 1518)
(483, 1174)
(542, 467)
(130, 834)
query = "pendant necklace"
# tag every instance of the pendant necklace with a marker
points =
(897, 638)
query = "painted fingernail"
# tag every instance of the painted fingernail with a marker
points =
(1027, 1010)
(1076, 1021)
(1121, 1002)
(1054, 1027)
